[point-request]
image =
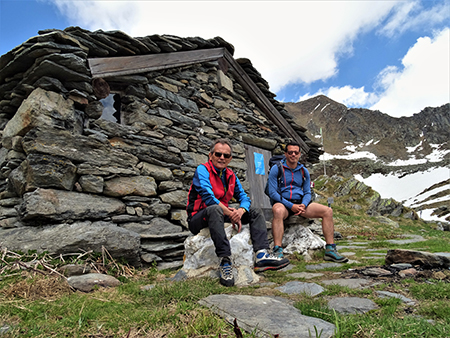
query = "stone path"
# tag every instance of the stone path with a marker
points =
(268, 316)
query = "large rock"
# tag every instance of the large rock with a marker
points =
(156, 227)
(157, 172)
(74, 238)
(426, 259)
(135, 185)
(298, 238)
(60, 205)
(194, 159)
(91, 281)
(42, 108)
(43, 172)
(283, 320)
(77, 148)
(201, 259)
(177, 199)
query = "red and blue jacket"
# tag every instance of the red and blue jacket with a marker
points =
(208, 188)
(295, 184)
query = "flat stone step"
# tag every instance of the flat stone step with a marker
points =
(266, 316)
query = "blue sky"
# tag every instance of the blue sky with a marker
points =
(392, 56)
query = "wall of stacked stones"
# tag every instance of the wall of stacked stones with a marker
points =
(72, 179)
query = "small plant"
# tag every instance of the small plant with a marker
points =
(318, 334)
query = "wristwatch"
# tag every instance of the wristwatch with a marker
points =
(243, 209)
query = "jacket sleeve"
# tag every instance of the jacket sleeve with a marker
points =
(306, 200)
(203, 185)
(274, 192)
(241, 196)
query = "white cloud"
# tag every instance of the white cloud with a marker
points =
(287, 41)
(424, 81)
(347, 95)
(296, 41)
(413, 16)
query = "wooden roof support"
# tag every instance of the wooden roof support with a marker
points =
(126, 65)
(262, 101)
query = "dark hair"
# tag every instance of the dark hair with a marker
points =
(221, 141)
(292, 143)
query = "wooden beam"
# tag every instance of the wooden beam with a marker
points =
(262, 101)
(126, 65)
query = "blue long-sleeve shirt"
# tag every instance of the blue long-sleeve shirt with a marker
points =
(292, 187)
(202, 185)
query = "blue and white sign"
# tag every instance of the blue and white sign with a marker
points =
(259, 163)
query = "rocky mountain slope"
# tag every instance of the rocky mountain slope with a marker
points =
(389, 138)
(406, 158)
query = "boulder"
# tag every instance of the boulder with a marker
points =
(77, 148)
(201, 259)
(422, 258)
(91, 281)
(298, 238)
(177, 198)
(74, 238)
(57, 205)
(44, 172)
(41, 108)
(135, 185)
(283, 320)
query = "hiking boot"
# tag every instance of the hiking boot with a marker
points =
(226, 272)
(278, 251)
(331, 254)
(266, 260)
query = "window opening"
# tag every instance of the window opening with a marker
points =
(111, 108)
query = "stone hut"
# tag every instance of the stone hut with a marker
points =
(101, 134)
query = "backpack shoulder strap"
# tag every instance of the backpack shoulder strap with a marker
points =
(280, 168)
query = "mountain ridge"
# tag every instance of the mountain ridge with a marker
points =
(405, 158)
(385, 136)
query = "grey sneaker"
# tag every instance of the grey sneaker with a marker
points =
(331, 254)
(266, 260)
(226, 272)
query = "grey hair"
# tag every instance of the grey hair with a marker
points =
(221, 141)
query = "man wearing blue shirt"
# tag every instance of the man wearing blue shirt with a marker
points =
(213, 186)
(290, 194)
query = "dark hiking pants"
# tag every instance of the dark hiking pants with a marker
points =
(212, 217)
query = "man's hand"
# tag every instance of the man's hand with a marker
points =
(235, 217)
(298, 209)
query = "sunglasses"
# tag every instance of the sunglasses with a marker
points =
(219, 155)
(293, 152)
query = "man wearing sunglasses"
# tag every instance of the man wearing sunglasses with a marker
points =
(290, 194)
(213, 186)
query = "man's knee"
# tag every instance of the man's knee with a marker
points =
(214, 210)
(256, 212)
(328, 212)
(279, 211)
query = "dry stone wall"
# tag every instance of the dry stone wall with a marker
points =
(77, 176)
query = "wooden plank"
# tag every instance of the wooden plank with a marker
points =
(127, 65)
(257, 182)
(262, 101)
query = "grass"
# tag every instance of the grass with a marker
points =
(171, 309)
(36, 301)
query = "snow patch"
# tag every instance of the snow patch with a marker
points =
(354, 156)
(324, 107)
(407, 188)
